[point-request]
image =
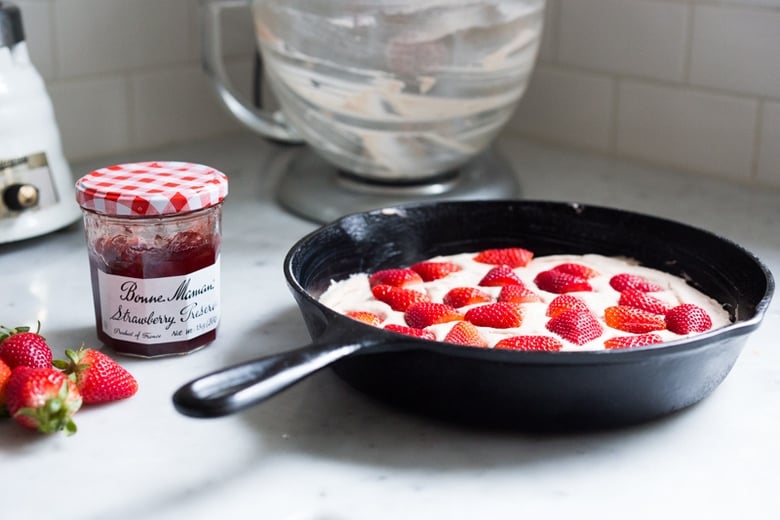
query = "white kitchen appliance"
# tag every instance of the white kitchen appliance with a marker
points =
(36, 187)
(396, 100)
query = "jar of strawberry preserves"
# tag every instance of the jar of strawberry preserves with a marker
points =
(153, 233)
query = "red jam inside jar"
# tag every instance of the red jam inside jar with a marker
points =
(155, 275)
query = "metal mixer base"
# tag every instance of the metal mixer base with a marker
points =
(318, 191)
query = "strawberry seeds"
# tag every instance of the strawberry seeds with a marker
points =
(509, 299)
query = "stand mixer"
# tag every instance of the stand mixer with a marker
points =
(395, 101)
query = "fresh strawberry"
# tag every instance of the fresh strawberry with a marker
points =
(423, 314)
(559, 282)
(565, 302)
(394, 278)
(511, 256)
(99, 378)
(644, 301)
(498, 315)
(430, 271)
(518, 294)
(632, 341)
(42, 399)
(21, 347)
(5, 374)
(576, 326)
(411, 331)
(686, 318)
(530, 343)
(365, 317)
(397, 298)
(461, 296)
(583, 271)
(499, 276)
(623, 281)
(465, 333)
(631, 319)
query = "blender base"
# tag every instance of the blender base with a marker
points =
(314, 189)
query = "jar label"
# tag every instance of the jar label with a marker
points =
(160, 310)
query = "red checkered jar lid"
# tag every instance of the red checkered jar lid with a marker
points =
(150, 189)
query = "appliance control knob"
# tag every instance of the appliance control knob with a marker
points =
(18, 197)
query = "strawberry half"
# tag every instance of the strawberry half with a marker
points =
(410, 331)
(430, 271)
(624, 281)
(559, 282)
(583, 271)
(631, 319)
(423, 314)
(578, 327)
(42, 399)
(465, 333)
(499, 276)
(565, 302)
(644, 301)
(19, 347)
(530, 343)
(498, 315)
(511, 256)
(518, 294)
(687, 318)
(99, 378)
(632, 341)
(462, 296)
(365, 317)
(397, 298)
(394, 277)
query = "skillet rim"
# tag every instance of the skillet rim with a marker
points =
(616, 356)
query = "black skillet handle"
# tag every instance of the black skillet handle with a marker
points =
(235, 388)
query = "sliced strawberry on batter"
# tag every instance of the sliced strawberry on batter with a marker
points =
(498, 315)
(530, 343)
(423, 314)
(565, 302)
(461, 296)
(518, 294)
(511, 256)
(499, 276)
(559, 282)
(397, 298)
(411, 331)
(366, 317)
(583, 271)
(639, 340)
(624, 281)
(631, 319)
(465, 333)
(644, 301)
(686, 318)
(430, 271)
(394, 277)
(578, 327)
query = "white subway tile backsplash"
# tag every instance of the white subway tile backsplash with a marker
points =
(698, 131)
(109, 36)
(173, 105)
(92, 115)
(736, 50)
(638, 37)
(572, 107)
(769, 146)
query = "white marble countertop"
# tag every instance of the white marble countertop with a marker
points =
(323, 451)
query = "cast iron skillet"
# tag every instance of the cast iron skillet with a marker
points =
(496, 388)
